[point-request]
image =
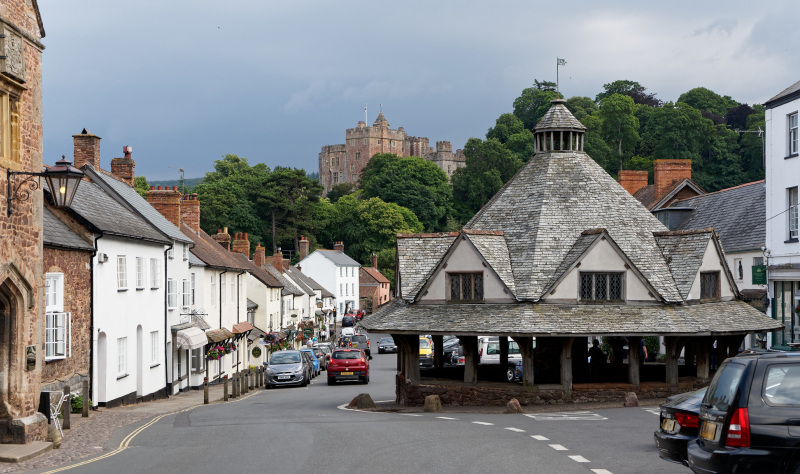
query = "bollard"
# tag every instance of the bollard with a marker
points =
(225, 389)
(235, 385)
(251, 379)
(261, 376)
(246, 386)
(86, 402)
(205, 390)
(66, 408)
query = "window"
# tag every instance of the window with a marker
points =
(172, 293)
(222, 289)
(601, 286)
(340, 271)
(757, 261)
(185, 252)
(122, 273)
(213, 292)
(738, 269)
(780, 387)
(792, 145)
(122, 356)
(392, 143)
(466, 286)
(379, 141)
(187, 293)
(198, 360)
(171, 252)
(353, 289)
(54, 292)
(154, 348)
(155, 273)
(192, 288)
(709, 285)
(791, 197)
(358, 155)
(352, 141)
(365, 141)
(58, 337)
(141, 273)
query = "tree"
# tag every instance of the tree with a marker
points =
(141, 185)
(412, 182)
(339, 190)
(620, 126)
(580, 107)
(704, 99)
(675, 131)
(505, 126)
(632, 89)
(596, 147)
(287, 199)
(534, 102)
(736, 118)
(720, 165)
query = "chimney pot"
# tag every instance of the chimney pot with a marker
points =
(668, 172)
(152, 188)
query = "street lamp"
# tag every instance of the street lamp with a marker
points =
(62, 180)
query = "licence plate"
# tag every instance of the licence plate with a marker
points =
(347, 373)
(283, 377)
(709, 430)
(668, 425)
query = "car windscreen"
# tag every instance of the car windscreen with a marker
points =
(722, 390)
(279, 358)
(347, 355)
(325, 349)
(386, 340)
(493, 348)
(424, 344)
(360, 339)
(318, 352)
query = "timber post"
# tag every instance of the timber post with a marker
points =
(566, 366)
(86, 402)
(66, 409)
(634, 364)
(471, 358)
(225, 388)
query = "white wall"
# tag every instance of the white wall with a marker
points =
(781, 173)
(712, 262)
(328, 274)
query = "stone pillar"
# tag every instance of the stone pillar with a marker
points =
(526, 350)
(503, 353)
(438, 349)
(471, 358)
(85, 394)
(702, 346)
(566, 366)
(673, 348)
(225, 389)
(633, 361)
(66, 409)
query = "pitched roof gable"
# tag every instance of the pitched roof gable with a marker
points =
(55, 233)
(686, 184)
(418, 255)
(492, 246)
(371, 276)
(684, 253)
(212, 253)
(338, 258)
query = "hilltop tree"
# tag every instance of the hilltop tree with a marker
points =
(704, 99)
(632, 89)
(339, 190)
(505, 126)
(620, 126)
(534, 102)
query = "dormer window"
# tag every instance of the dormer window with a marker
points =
(465, 286)
(709, 285)
(601, 286)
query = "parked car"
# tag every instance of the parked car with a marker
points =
(518, 371)
(323, 359)
(348, 331)
(750, 416)
(450, 349)
(425, 352)
(314, 360)
(489, 352)
(386, 344)
(678, 425)
(287, 368)
(348, 364)
(360, 314)
(348, 320)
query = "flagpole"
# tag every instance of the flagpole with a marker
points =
(365, 113)
(557, 87)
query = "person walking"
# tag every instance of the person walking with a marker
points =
(597, 359)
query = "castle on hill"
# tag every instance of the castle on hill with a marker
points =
(343, 163)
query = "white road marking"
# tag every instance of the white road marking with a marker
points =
(410, 414)
(558, 447)
(446, 418)
(601, 471)
(483, 423)
(540, 438)
(655, 411)
(577, 458)
(574, 415)
(516, 430)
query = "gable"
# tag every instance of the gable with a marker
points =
(713, 261)
(464, 257)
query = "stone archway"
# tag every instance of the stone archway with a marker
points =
(10, 309)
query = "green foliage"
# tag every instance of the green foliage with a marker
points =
(675, 131)
(652, 345)
(534, 102)
(76, 403)
(505, 126)
(596, 147)
(632, 89)
(620, 126)
(413, 183)
(580, 107)
(704, 99)
(339, 190)
(141, 185)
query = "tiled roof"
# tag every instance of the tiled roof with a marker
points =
(684, 254)
(793, 89)
(365, 291)
(301, 281)
(211, 253)
(546, 206)
(243, 326)
(730, 317)
(558, 117)
(737, 214)
(339, 258)
(421, 254)
(646, 195)
(371, 275)
(289, 288)
(56, 234)
(129, 196)
(494, 249)
(260, 274)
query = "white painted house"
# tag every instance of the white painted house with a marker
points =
(337, 272)
(783, 243)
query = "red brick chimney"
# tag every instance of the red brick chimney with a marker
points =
(277, 260)
(303, 250)
(338, 246)
(122, 168)
(167, 202)
(86, 149)
(223, 238)
(632, 180)
(258, 256)
(190, 211)
(668, 172)
(241, 244)
(374, 259)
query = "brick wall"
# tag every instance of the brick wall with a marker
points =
(122, 168)
(223, 238)
(668, 172)
(632, 180)
(241, 244)
(190, 211)
(167, 201)
(86, 149)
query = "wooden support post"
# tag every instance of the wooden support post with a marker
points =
(205, 390)
(702, 349)
(503, 353)
(526, 350)
(66, 409)
(438, 351)
(634, 376)
(412, 359)
(566, 366)
(251, 379)
(471, 358)
(225, 388)
(673, 348)
(234, 385)
(398, 341)
(86, 402)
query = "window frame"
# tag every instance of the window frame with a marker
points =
(154, 349)
(792, 227)
(52, 339)
(122, 356)
(186, 296)
(704, 285)
(792, 145)
(449, 287)
(198, 360)
(607, 298)
(122, 272)
(172, 294)
(141, 273)
(155, 273)
(54, 285)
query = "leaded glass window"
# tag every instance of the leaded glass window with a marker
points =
(709, 285)
(601, 286)
(466, 286)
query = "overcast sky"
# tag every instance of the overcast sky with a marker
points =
(185, 82)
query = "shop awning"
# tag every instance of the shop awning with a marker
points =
(255, 334)
(218, 335)
(190, 338)
(243, 327)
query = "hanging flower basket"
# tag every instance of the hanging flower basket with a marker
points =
(213, 355)
(797, 310)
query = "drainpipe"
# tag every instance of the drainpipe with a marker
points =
(219, 364)
(167, 370)
(91, 318)
(239, 350)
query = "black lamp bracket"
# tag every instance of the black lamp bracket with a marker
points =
(20, 193)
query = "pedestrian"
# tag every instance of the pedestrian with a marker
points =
(714, 355)
(597, 360)
(642, 351)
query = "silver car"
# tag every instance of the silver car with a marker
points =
(288, 368)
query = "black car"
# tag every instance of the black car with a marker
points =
(348, 321)
(386, 344)
(678, 425)
(750, 417)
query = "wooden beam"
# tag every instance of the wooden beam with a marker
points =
(673, 351)
(503, 353)
(634, 377)
(702, 349)
(566, 365)
(471, 358)
(526, 350)
(412, 359)
(438, 348)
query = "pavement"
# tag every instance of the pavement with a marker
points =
(88, 436)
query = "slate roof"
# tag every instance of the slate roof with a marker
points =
(787, 93)
(494, 249)
(211, 253)
(127, 195)
(300, 280)
(369, 275)
(684, 254)
(338, 258)
(558, 117)
(546, 206)
(421, 253)
(99, 209)
(730, 317)
(56, 234)
(737, 214)
(260, 274)
(289, 288)
(647, 194)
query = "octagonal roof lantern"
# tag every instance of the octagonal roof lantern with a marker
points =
(558, 130)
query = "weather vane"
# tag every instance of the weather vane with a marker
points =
(559, 62)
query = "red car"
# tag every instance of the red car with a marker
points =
(348, 364)
(360, 314)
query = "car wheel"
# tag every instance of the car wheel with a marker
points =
(331, 380)
(305, 382)
(511, 373)
(267, 386)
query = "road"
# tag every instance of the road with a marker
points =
(288, 430)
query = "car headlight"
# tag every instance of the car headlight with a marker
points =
(298, 370)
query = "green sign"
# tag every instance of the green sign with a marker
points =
(308, 332)
(759, 274)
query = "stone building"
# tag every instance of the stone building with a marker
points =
(343, 163)
(21, 276)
